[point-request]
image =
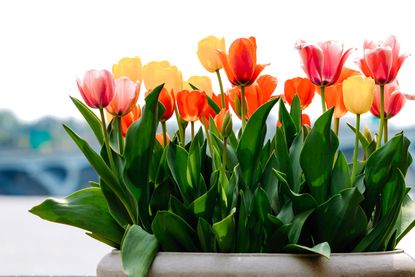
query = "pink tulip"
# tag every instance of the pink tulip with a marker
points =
(322, 62)
(97, 88)
(382, 61)
(394, 100)
(125, 97)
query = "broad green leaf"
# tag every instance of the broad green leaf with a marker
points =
(251, 142)
(340, 221)
(231, 159)
(322, 249)
(297, 226)
(138, 251)
(86, 209)
(160, 197)
(269, 182)
(206, 236)
(295, 152)
(177, 207)
(300, 202)
(317, 156)
(261, 205)
(173, 233)
(193, 168)
(406, 220)
(93, 121)
(242, 232)
(283, 156)
(378, 238)
(340, 178)
(287, 123)
(139, 143)
(115, 206)
(295, 112)
(225, 232)
(379, 168)
(177, 161)
(203, 207)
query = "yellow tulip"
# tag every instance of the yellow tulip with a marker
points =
(201, 82)
(157, 73)
(128, 67)
(358, 93)
(207, 53)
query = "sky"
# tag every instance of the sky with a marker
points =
(46, 44)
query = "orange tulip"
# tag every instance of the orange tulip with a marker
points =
(256, 95)
(219, 119)
(167, 99)
(303, 87)
(334, 93)
(191, 104)
(130, 118)
(159, 137)
(240, 64)
(305, 120)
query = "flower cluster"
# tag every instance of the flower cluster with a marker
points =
(218, 190)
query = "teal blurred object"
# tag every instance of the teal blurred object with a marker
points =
(38, 137)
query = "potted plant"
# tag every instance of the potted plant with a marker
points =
(285, 189)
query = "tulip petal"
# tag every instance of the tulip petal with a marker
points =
(228, 70)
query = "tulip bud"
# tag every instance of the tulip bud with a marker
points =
(207, 54)
(227, 125)
(358, 94)
(367, 134)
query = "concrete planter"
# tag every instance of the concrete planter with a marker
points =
(394, 263)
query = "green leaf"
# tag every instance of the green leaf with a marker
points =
(139, 143)
(115, 206)
(193, 175)
(407, 219)
(295, 152)
(225, 232)
(86, 209)
(297, 226)
(322, 249)
(138, 251)
(203, 207)
(283, 156)
(251, 142)
(340, 221)
(206, 236)
(340, 178)
(378, 238)
(92, 120)
(287, 123)
(317, 156)
(295, 112)
(173, 233)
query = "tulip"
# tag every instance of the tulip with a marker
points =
(157, 73)
(323, 63)
(223, 122)
(394, 101)
(130, 118)
(191, 105)
(301, 87)
(256, 95)
(97, 88)
(207, 54)
(382, 62)
(125, 97)
(201, 82)
(167, 99)
(241, 67)
(163, 140)
(358, 93)
(358, 97)
(128, 67)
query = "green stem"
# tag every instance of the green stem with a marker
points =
(164, 128)
(107, 140)
(243, 107)
(323, 100)
(356, 148)
(224, 154)
(120, 138)
(181, 131)
(336, 126)
(192, 125)
(222, 93)
(382, 115)
(385, 130)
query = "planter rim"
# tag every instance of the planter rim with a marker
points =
(396, 251)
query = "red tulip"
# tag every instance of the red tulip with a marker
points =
(256, 95)
(394, 100)
(382, 61)
(167, 99)
(130, 118)
(301, 87)
(97, 88)
(305, 120)
(323, 62)
(125, 96)
(191, 104)
(240, 64)
(160, 139)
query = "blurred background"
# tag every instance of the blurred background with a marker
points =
(45, 45)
